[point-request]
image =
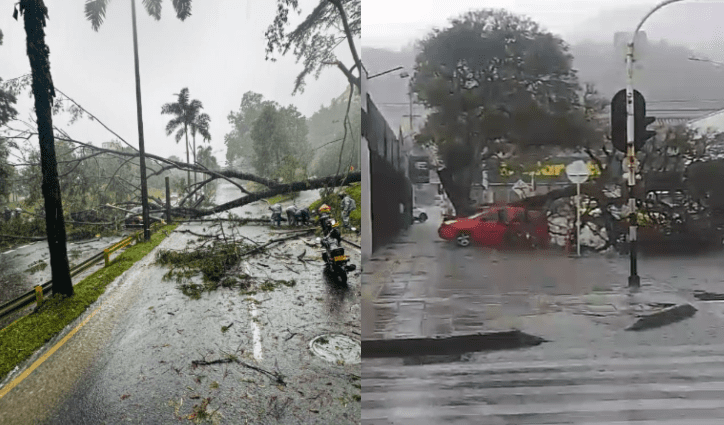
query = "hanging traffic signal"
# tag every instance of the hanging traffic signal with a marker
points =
(619, 121)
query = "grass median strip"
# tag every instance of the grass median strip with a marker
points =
(28, 334)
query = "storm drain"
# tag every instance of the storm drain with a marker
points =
(336, 348)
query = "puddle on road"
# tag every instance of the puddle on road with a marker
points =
(337, 347)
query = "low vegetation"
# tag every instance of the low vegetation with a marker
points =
(355, 192)
(22, 338)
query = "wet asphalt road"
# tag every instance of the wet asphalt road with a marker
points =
(15, 263)
(590, 371)
(132, 362)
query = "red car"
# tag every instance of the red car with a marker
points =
(496, 227)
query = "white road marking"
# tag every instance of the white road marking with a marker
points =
(256, 331)
(8, 252)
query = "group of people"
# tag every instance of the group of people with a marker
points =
(9, 214)
(300, 216)
(295, 215)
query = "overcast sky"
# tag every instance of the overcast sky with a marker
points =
(218, 53)
(394, 25)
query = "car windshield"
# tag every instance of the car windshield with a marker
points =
(487, 215)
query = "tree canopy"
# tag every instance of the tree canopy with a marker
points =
(278, 133)
(496, 81)
(314, 40)
(326, 135)
(238, 142)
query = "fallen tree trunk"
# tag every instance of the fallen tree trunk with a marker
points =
(32, 238)
(273, 191)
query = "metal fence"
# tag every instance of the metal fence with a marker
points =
(38, 292)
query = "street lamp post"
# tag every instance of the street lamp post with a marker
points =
(634, 280)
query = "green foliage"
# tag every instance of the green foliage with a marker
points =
(238, 142)
(7, 172)
(313, 41)
(331, 199)
(187, 118)
(212, 262)
(95, 10)
(7, 100)
(512, 82)
(22, 338)
(97, 180)
(279, 138)
(497, 83)
(326, 132)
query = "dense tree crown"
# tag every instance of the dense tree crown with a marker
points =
(496, 81)
(279, 138)
(238, 142)
(319, 150)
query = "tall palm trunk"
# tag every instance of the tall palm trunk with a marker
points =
(141, 144)
(188, 159)
(35, 13)
(195, 176)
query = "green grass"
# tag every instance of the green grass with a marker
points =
(284, 197)
(21, 339)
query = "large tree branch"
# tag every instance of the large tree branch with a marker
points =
(350, 41)
(183, 165)
(279, 189)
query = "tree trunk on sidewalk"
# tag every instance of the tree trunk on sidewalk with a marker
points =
(35, 13)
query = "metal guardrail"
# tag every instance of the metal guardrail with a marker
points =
(38, 292)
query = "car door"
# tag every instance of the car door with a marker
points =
(490, 230)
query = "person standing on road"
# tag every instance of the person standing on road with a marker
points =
(348, 205)
(292, 215)
(276, 217)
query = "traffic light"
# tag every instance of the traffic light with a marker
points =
(619, 121)
(642, 134)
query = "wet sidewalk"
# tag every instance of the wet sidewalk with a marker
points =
(421, 286)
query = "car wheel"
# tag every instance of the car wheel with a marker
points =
(463, 239)
(423, 218)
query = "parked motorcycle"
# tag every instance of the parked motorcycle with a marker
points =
(336, 263)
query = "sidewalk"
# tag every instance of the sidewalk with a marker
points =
(421, 286)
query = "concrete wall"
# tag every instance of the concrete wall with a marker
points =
(390, 191)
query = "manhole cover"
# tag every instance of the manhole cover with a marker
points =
(336, 347)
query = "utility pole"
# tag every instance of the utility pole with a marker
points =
(141, 147)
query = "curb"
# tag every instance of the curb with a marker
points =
(664, 317)
(416, 347)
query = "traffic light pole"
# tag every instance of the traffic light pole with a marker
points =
(633, 279)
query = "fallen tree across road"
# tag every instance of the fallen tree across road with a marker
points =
(318, 183)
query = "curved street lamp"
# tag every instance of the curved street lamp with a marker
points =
(634, 280)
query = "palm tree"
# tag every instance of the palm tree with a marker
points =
(201, 125)
(95, 12)
(187, 117)
(35, 13)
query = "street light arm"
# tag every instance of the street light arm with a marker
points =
(651, 12)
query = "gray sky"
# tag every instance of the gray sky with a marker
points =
(218, 53)
(394, 25)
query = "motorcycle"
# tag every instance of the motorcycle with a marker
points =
(336, 263)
